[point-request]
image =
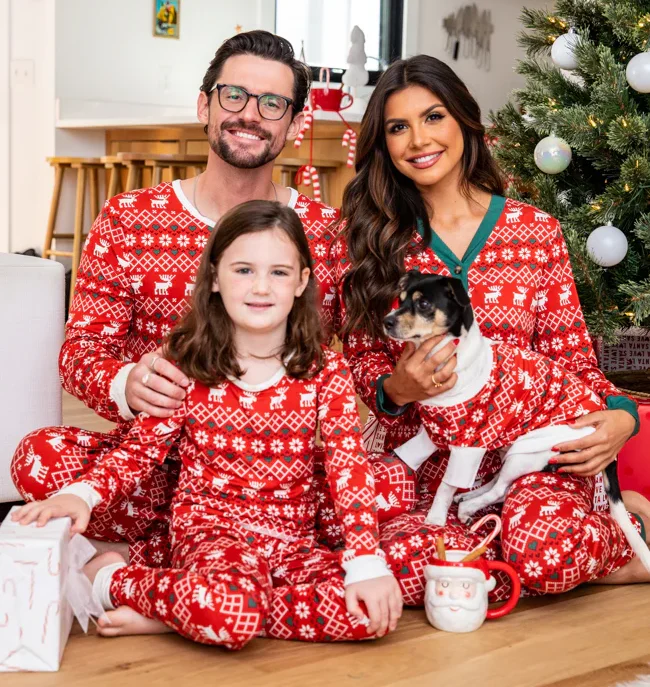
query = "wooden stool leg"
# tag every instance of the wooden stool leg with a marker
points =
(285, 176)
(156, 176)
(114, 182)
(134, 178)
(94, 194)
(176, 172)
(78, 227)
(324, 187)
(54, 208)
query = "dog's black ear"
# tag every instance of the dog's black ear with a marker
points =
(407, 279)
(458, 293)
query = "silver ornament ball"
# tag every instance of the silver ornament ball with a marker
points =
(637, 72)
(562, 50)
(552, 155)
(607, 245)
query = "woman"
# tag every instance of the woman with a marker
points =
(428, 195)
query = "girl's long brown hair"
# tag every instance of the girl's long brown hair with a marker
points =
(202, 344)
(381, 206)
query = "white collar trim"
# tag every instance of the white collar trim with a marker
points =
(185, 202)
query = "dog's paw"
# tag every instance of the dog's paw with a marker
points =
(436, 519)
(465, 512)
(459, 498)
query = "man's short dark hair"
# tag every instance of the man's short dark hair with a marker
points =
(268, 46)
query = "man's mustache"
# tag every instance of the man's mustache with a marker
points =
(252, 128)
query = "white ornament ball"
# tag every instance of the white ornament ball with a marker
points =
(638, 72)
(552, 155)
(607, 245)
(572, 77)
(562, 51)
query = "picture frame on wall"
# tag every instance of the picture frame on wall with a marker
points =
(166, 18)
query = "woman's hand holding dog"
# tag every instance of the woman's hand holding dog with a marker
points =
(413, 377)
(592, 454)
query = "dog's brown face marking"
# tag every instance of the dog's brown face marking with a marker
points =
(416, 296)
(416, 325)
(402, 296)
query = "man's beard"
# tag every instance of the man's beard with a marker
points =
(240, 158)
(469, 617)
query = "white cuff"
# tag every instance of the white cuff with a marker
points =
(84, 491)
(364, 568)
(102, 584)
(118, 391)
(416, 450)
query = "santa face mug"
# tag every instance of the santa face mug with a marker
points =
(456, 595)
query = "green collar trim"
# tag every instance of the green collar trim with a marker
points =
(459, 268)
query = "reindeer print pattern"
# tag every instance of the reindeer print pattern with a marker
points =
(524, 248)
(245, 503)
(137, 272)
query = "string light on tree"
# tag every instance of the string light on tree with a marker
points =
(563, 50)
(552, 154)
(607, 245)
(637, 72)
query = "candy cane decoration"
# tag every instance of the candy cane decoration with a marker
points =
(350, 141)
(55, 605)
(316, 182)
(309, 118)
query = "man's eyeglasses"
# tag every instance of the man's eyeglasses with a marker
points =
(235, 98)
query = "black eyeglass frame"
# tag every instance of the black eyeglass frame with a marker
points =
(218, 87)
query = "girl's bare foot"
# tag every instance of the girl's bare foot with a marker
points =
(126, 621)
(101, 561)
(121, 547)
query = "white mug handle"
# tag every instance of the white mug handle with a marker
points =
(327, 81)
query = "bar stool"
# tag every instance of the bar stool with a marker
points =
(87, 170)
(177, 164)
(114, 167)
(290, 165)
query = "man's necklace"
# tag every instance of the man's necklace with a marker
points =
(196, 207)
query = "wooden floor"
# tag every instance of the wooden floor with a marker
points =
(593, 637)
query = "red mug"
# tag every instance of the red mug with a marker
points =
(456, 593)
(329, 99)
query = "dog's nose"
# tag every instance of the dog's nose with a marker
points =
(390, 321)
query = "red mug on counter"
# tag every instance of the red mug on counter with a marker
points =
(329, 99)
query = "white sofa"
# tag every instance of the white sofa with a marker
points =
(32, 292)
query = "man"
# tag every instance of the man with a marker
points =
(137, 272)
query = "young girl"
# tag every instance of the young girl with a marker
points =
(245, 561)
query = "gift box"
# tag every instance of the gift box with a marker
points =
(42, 587)
(630, 352)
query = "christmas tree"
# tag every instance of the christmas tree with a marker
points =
(579, 88)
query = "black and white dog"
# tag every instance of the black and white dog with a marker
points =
(508, 399)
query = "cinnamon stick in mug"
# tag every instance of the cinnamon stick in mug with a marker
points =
(473, 555)
(440, 546)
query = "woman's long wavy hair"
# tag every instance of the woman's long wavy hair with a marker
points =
(381, 206)
(202, 344)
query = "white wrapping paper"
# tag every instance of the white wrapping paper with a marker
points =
(41, 580)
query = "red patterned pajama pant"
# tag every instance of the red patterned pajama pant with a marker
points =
(48, 459)
(228, 585)
(551, 536)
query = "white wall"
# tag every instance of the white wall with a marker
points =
(4, 125)
(107, 51)
(32, 134)
(491, 88)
